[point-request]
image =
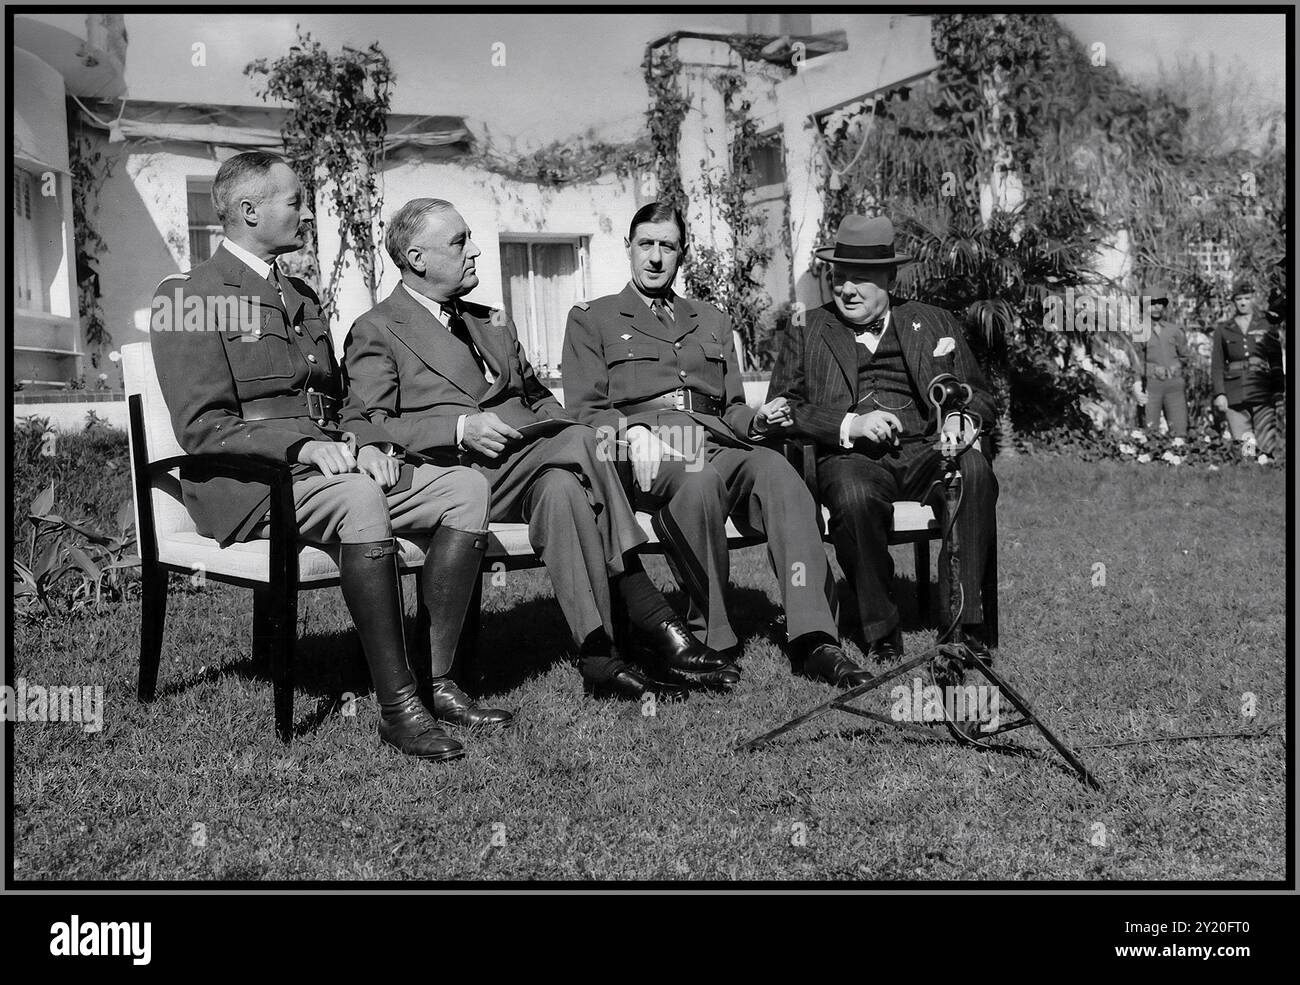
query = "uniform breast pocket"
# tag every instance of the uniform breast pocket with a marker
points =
(714, 352)
(631, 367)
(262, 354)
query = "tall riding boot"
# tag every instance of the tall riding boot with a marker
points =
(451, 571)
(368, 576)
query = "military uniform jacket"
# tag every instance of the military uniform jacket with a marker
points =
(817, 367)
(616, 352)
(409, 375)
(221, 337)
(1232, 354)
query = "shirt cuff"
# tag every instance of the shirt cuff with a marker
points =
(460, 430)
(845, 441)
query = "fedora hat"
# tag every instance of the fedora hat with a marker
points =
(863, 242)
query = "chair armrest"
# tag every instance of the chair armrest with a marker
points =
(283, 519)
(803, 456)
(236, 466)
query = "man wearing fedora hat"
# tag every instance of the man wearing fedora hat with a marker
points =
(660, 371)
(1162, 370)
(855, 374)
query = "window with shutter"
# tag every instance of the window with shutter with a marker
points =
(205, 227)
(29, 293)
(541, 280)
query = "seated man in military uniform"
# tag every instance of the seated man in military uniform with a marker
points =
(661, 370)
(246, 368)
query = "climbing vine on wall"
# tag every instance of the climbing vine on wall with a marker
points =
(334, 132)
(562, 162)
(730, 279)
(90, 169)
(668, 107)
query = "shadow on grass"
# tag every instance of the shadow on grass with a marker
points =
(531, 637)
(523, 640)
(907, 737)
(326, 665)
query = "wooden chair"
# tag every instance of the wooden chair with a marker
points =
(276, 569)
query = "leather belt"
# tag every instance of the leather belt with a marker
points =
(1236, 364)
(1164, 372)
(320, 407)
(683, 398)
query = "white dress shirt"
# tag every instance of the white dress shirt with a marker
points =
(254, 263)
(435, 308)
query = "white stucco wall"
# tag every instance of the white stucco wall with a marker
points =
(883, 49)
(144, 220)
(40, 116)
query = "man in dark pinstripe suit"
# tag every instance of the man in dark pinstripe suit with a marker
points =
(855, 373)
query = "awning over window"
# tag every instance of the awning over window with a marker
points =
(252, 127)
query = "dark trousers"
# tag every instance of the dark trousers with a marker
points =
(579, 521)
(765, 497)
(861, 491)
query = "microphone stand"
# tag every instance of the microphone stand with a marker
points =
(950, 659)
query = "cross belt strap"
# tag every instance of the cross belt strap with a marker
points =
(683, 398)
(320, 407)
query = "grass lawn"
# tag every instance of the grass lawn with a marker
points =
(1192, 617)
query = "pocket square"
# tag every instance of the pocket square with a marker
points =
(945, 347)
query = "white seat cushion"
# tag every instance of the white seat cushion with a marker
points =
(250, 560)
(179, 544)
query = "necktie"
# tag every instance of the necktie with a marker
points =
(661, 310)
(274, 278)
(461, 331)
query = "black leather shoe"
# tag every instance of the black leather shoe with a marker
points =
(412, 730)
(452, 705)
(888, 649)
(829, 663)
(627, 684)
(724, 678)
(674, 646)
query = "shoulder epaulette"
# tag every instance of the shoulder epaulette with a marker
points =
(584, 305)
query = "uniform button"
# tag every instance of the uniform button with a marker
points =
(311, 359)
(321, 422)
(677, 345)
(257, 331)
(298, 329)
(682, 373)
(310, 390)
